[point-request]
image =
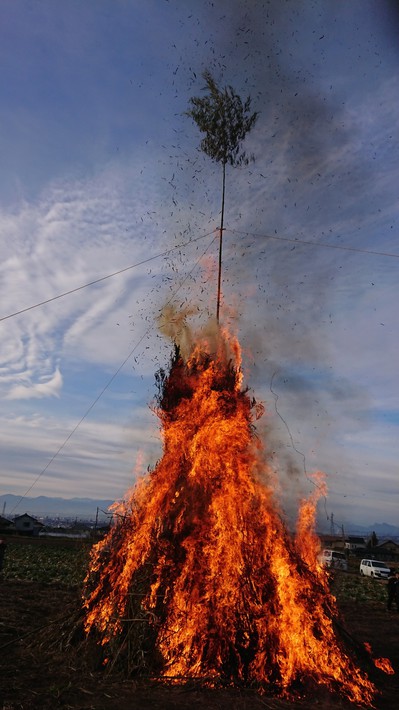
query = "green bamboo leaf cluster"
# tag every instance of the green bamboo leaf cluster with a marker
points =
(225, 119)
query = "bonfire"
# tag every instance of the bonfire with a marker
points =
(200, 578)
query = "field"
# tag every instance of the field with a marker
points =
(41, 667)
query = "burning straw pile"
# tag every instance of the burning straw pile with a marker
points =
(200, 578)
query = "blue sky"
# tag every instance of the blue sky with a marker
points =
(101, 170)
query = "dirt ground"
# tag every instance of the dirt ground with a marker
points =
(37, 672)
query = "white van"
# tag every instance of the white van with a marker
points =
(333, 558)
(374, 568)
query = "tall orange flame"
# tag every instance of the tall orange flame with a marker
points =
(230, 594)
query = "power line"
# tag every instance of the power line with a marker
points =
(103, 278)
(116, 373)
(314, 244)
(192, 241)
(120, 271)
(79, 423)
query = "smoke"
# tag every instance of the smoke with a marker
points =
(172, 324)
(208, 336)
(311, 180)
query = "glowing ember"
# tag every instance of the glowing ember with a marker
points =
(202, 553)
(384, 664)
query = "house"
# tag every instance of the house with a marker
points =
(27, 525)
(387, 550)
(6, 526)
(353, 543)
(331, 542)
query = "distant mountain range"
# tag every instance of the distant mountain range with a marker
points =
(43, 506)
(86, 509)
(380, 529)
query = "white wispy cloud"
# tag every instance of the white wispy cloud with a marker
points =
(100, 460)
(76, 233)
(49, 387)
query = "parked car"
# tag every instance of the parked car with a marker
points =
(333, 558)
(374, 568)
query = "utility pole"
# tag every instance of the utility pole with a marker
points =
(220, 246)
